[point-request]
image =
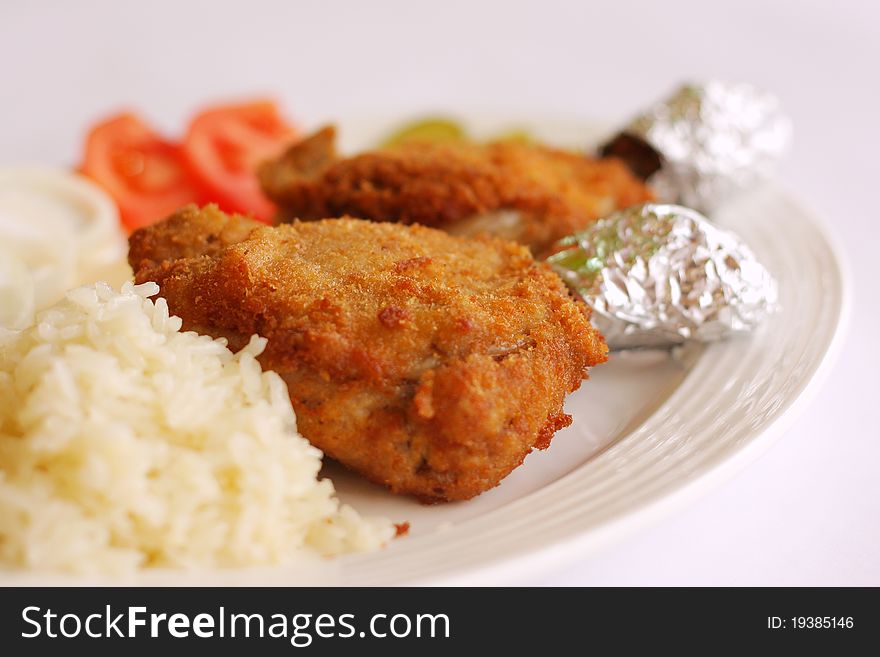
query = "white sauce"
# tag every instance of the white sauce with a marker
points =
(57, 230)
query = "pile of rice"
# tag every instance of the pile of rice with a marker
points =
(125, 442)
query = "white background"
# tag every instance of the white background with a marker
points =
(808, 512)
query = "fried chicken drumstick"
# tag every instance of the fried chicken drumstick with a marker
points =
(531, 194)
(429, 363)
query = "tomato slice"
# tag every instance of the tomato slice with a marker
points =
(225, 145)
(143, 173)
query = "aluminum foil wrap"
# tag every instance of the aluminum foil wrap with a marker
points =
(658, 275)
(705, 143)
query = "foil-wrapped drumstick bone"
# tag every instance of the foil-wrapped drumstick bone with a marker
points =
(658, 275)
(705, 143)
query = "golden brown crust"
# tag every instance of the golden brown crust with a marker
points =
(429, 363)
(447, 185)
(190, 232)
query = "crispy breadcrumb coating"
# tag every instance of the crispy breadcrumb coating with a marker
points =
(525, 192)
(429, 363)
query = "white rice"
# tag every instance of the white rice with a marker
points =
(126, 443)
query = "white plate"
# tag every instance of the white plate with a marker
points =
(651, 430)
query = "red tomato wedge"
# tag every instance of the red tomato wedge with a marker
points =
(225, 145)
(144, 174)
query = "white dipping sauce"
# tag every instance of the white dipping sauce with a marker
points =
(57, 230)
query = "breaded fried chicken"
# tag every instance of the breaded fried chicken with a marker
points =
(429, 363)
(528, 193)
